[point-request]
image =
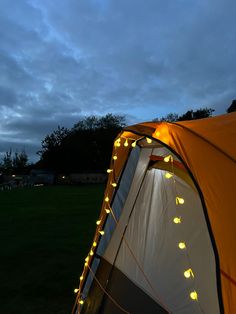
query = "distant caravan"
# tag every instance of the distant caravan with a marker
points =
(165, 237)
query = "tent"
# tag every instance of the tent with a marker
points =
(165, 237)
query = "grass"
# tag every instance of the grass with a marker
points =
(45, 234)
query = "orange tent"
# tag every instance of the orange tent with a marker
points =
(169, 211)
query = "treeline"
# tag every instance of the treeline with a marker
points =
(86, 147)
(14, 162)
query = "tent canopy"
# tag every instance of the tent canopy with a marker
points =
(135, 258)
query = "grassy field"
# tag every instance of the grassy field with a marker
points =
(45, 234)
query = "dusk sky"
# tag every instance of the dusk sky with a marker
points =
(61, 60)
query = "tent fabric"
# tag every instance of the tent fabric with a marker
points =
(154, 241)
(207, 149)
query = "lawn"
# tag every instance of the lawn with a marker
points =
(45, 234)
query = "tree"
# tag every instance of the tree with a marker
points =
(232, 107)
(189, 115)
(17, 162)
(84, 148)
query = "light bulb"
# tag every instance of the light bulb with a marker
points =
(193, 295)
(86, 264)
(179, 200)
(168, 175)
(91, 253)
(107, 210)
(126, 144)
(117, 143)
(87, 259)
(94, 244)
(149, 141)
(107, 199)
(168, 158)
(188, 273)
(81, 278)
(76, 290)
(115, 157)
(133, 144)
(114, 184)
(81, 302)
(109, 170)
(102, 232)
(182, 245)
(98, 222)
(177, 220)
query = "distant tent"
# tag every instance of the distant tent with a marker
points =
(165, 240)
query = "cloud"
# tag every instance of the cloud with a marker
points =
(62, 59)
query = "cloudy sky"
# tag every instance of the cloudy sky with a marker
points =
(64, 59)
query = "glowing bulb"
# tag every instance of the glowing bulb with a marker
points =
(76, 290)
(149, 141)
(98, 222)
(126, 144)
(168, 158)
(94, 244)
(107, 210)
(133, 144)
(81, 278)
(81, 302)
(193, 295)
(115, 157)
(107, 199)
(109, 170)
(91, 253)
(188, 273)
(117, 143)
(179, 200)
(87, 259)
(102, 232)
(168, 175)
(86, 264)
(114, 184)
(182, 245)
(177, 220)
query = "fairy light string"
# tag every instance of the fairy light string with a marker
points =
(179, 200)
(107, 209)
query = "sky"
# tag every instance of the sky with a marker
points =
(65, 59)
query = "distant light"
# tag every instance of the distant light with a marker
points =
(94, 244)
(81, 302)
(91, 253)
(107, 210)
(63, 177)
(76, 290)
(115, 157)
(114, 184)
(109, 170)
(87, 259)
(13, 175)
(81, 278)
(102, 232)
(149, 141)
(98, 222)
(107, 199)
